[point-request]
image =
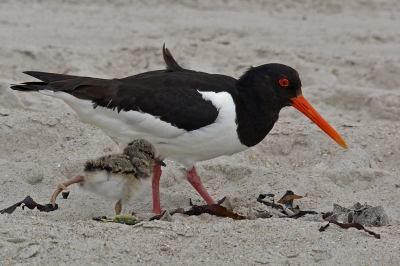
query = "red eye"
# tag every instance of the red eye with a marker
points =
(284, 82)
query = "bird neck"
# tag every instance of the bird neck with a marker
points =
(256, 116)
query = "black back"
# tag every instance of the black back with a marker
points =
(173, 95)
(170, 94)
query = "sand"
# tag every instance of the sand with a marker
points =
(348, 57)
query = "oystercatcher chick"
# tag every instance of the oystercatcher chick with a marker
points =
(117, 176)
(188, 116)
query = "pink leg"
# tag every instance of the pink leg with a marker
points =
(155, 186)
(194, 179)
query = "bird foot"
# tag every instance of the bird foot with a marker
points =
(195, 181)
(60, 187)
(63, 186)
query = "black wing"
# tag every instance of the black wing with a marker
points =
(171, 94)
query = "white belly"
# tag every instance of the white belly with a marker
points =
(100, 183)
(114, 186)
(186, 147)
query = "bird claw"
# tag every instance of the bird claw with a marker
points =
(63, 186)
(60, 187)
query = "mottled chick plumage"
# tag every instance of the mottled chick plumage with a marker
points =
(117, 176)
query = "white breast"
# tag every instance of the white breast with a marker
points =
(114, 186)
(99, 182)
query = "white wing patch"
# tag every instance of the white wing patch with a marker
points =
(210, 141)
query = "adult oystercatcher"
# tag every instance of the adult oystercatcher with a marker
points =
(188, 116)
(116, 176)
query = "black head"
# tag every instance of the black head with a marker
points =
(275, 84)
(263, 92)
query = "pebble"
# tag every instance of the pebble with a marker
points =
(28, 251)
(16, 240)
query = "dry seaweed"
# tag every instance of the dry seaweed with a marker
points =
(300, 214)
(31, 204)
(121, 219)
(213, 209)
(351, 225)
(288, 198)
(269, 202)
(284, 207)
(326, 215)
(159, 216)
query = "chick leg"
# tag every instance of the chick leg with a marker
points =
(62, 186)
(118, 207)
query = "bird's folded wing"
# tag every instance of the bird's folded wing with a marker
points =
(173, 97)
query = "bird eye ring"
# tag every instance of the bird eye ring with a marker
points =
(284, 82)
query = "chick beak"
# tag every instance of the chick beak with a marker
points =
(159, 162)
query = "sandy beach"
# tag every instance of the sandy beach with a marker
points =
(348, 56)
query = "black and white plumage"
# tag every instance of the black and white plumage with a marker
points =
(188, 116)
(117, 176)
(172, 109)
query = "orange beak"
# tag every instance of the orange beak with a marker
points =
(301, 104)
